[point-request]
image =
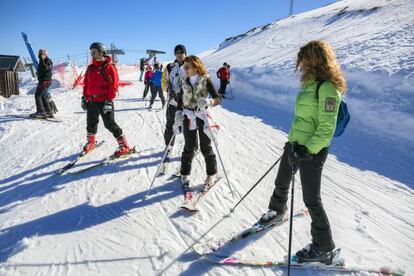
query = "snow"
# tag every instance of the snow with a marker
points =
(99, 223)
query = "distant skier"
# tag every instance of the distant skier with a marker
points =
(99, 91)
(224, 76)
(307, 149)
(141, 68)
(171, 81)
(193, 99)
(156, 86)
(44, 109)
(147, 81)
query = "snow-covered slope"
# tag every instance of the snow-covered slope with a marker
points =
(373, 41)
(99, 223)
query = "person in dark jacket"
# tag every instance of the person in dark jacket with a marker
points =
(156, 86)
(99, 91)
(141, 68)
(224, 75)
(309, 137)
(171, 82)
(193, 99)
(44, 75)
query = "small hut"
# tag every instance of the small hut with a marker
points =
(9, 79)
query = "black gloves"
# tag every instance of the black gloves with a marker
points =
(84, 103)
(298, 153)
(108, 107)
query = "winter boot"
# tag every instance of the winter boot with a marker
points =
(310, 253)
(272, 217)
(185, 180)
(210, 181)
(123, 148)
(90, 144)
(49, 115)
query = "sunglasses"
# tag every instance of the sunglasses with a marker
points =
(179, 53)
(187, 67)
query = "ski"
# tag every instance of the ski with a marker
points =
(208, 248)
(72, 163)
(30, 49)
(335, 267)
(105, 161)
(54, 120)
(191, 205)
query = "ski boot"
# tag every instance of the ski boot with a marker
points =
(123, 148)
(185, 180)
(310, 253)
(271, 217)
(90, 144)
(38, 115)
(209, 182)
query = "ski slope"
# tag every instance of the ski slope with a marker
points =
(373, 41)
(98, 222)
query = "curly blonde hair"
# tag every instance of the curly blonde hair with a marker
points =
(197, 64)
(318, 62)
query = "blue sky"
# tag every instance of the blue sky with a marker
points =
(69, 27)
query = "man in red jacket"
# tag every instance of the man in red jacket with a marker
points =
(99, 91)
(224, 75)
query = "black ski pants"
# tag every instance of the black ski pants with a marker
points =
(223, 85)
(310, 175)
(95, 109)
(191, 146)
(148, 87)
(42, 101)
(169, 132)
(154, 91)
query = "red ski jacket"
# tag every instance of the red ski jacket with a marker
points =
(148, 75)
(101, 81)
(223, 73)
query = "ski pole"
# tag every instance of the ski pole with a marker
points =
(291, 216)
(254, 186)
(159, 166)
(218, 153)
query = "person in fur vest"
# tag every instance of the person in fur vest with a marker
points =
(193, 100)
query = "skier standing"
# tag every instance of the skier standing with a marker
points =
(44, 75)
(141, 68)
(171, 81)
(156, 86)
(307, 147)
(224, 75)
(193, 100)
(99, 91)
(147, 81)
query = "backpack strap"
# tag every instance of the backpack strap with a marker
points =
(318, 85)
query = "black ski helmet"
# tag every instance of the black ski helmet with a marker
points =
(180, 48)
(98, 46)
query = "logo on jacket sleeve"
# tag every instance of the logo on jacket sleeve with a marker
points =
(330, 104)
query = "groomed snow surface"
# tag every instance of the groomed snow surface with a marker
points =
(98, 222)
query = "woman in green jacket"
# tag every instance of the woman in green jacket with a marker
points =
(309, 138)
